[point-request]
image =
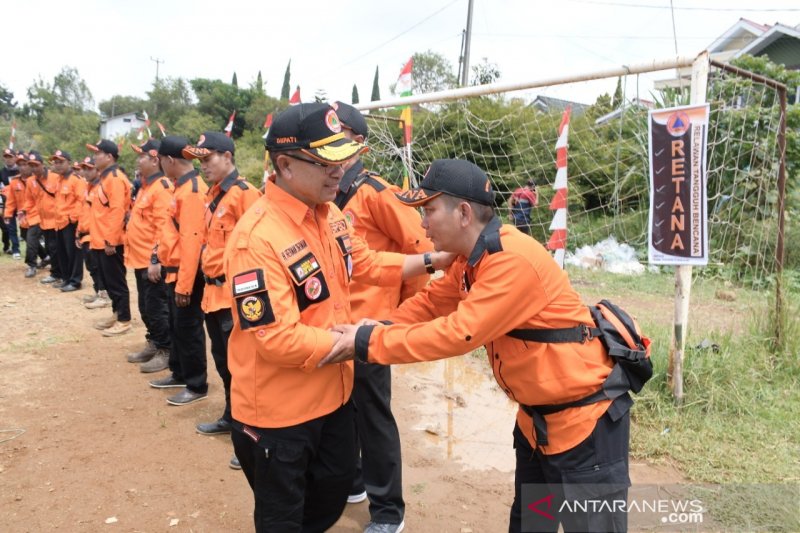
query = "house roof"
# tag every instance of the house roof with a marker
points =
(636, 102)
(548, 103)
(767, 38)
(740, 34)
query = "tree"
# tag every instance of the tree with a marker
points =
(169, 99)
(354, 98)
(119, 105)
(68, 90)
(616, 102)
(432, 72)
(484, 73)
(234, 80)
(286, 87)
(321, 96)
(7, 103)
(218, 99)
(259, 86)
(376, 89)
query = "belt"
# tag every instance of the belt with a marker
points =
(218, 281)
(170, 270)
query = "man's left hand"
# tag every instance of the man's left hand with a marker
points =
(154, 273)
(345, 347)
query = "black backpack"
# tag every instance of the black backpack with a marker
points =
(628, 348)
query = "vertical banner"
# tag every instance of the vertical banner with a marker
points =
(678, 223)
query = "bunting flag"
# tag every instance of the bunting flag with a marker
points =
(162, 128)
(140, 134)
(295, 99)
(13, 137)
(121, 142)
(229, 126)
(558, 239)
(404, 82)
(147, 124)
(267, 124)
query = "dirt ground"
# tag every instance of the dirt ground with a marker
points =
(86, 445)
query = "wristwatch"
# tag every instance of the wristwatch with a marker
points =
(428, 260)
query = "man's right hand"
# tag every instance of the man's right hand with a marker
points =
(182, 300)
(110, 250)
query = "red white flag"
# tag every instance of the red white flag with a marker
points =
(558, 239)
(147, 124)
(267, 124)
(229, 127)
(295, 99)
(162, 128)
(13, 138)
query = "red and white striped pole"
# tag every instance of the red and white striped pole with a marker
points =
(558, 239)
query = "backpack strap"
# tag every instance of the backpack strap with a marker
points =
(579, 334)
(365, 177)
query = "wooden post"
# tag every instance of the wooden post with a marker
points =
(683, 274)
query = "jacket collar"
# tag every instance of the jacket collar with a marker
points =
(488, 241)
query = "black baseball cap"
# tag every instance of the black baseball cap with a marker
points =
(9, 152)
(351, 118)
(208, 143)
(62, 155)
(34, 157)
(173, 145)
(21, 157)
(105, 146)
(150, 147)
(315, 130)
(87, 162)
(454, 177)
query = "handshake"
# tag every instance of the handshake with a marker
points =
(344, 348)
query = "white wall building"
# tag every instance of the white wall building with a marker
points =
(115, 127)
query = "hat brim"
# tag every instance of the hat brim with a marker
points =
(417, 197)
(57, 158)
(195, 152)
(85, 165)
(339, 151)
(92, 147)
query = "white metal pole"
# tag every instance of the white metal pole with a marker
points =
(683, 274)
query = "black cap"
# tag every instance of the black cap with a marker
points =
(21, 157)
(315, 130)
(351, 118)
(34, 157)
(209, 142)
(105, 146)
(454, 177)
(9, 152)
(150, 147)
(61, 155)
(173, 145)
(87, 162)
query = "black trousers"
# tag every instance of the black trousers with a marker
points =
(219, 325)
(187, 357)
(51, 242)
(70, 257)
(154, 309)
(112, 270)
(300, 475)
(10, 238)
(595, 469)
(93, 267)
(379, 467)
(33, 235)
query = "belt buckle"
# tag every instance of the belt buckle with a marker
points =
(586, 333)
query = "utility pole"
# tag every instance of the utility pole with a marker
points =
(158, 62)
(467, 37)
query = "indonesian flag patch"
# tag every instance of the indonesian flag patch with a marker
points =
(248, 282)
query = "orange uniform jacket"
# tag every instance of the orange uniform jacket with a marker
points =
(110, 201)
(149, 216)
(15, 197)
(69, 199)
(184, 233)
(238, 196)
(290, 268)
(30, 207)
(385, 224)
(509, 281)
(85, 221)
(43, 193)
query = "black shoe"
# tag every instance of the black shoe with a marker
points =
(58, 284)
(218, 427)
(48, 279)
(31, 272)
(185, 397)
(69, 287)
(167, 383)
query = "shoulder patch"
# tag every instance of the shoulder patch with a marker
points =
(254, 310)
(248, 282)
(305, 268)
(338, 226)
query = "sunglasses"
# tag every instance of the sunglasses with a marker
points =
(316, 163)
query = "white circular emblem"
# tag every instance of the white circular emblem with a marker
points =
(332, 121)
(313, 288)
(201, 140)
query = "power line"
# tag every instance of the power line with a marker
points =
(693, 8)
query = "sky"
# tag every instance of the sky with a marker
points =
(333, 45)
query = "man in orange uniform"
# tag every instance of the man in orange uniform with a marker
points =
(179, 252)
(149, 215)
(478, 302)
(370, 206)
(289, 261)
(100, 297)
(110, 202)
(9, 171)
(228, 198)
(71, 191)
(44, 185)
(15, 200)
(28, 218)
